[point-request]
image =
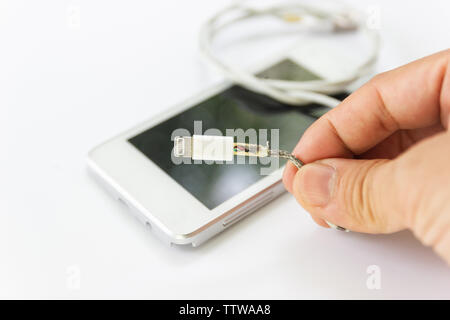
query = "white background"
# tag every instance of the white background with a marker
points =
(74, 73)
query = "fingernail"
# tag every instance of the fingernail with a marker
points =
(314, 183)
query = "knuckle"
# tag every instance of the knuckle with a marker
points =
(377, 78)
(360, 198)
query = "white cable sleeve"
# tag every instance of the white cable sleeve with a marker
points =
(289, 92)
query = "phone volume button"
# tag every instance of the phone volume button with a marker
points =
(123, 202)
(248, 208)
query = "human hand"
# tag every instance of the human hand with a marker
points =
(380, 161)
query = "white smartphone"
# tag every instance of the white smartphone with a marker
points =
(188, 204)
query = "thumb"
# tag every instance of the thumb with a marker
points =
(383, 196)
(360, 195)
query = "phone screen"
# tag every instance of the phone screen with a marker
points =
(235, 107)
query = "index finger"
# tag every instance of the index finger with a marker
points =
(413, 96)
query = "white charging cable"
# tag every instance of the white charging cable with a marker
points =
(290, 92)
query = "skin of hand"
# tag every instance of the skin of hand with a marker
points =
(380, 161)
